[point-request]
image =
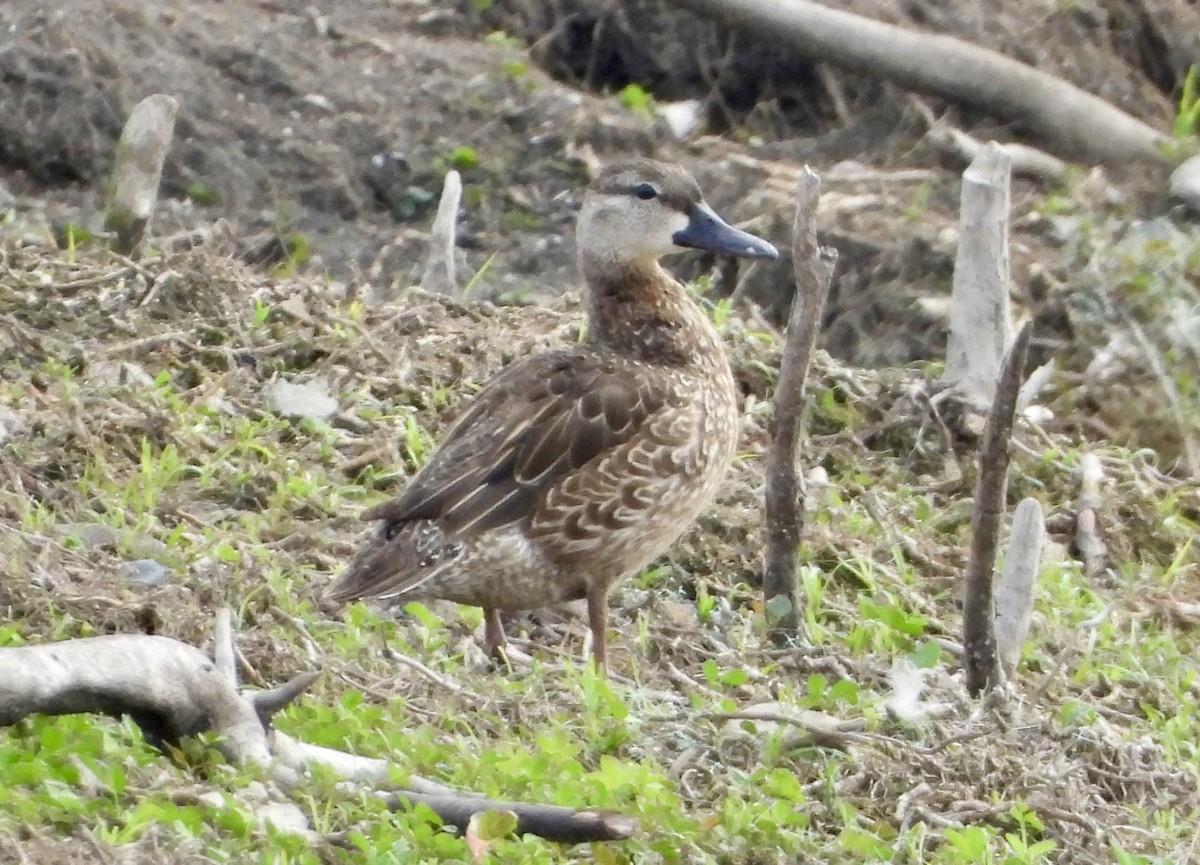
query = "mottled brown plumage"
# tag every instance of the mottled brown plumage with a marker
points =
(575, 468)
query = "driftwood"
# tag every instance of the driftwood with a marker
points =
(137, 170)
(980, 313)
(440, 273)
(1081, 126)
(172, 690)
(1014, 591)
(979, 637)
(813, 267)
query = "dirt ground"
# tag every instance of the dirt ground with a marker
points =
(325, 129)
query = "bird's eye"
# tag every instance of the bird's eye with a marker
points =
(645, 191)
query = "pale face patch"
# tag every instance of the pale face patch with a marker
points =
(623, 227)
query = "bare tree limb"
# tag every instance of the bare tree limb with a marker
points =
(1014, 592)
(813, 267)
(170, 689)
(546, 821)
(137, 170)
(980, 313)
(440, 274)
(173, 690)
(1083, 126)
(979, 638)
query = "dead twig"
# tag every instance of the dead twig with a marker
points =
(813, 267)
(979, 638)
(437, 679)
(821, 730)
(1026, 161)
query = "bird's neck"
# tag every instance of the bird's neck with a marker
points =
(639, 310)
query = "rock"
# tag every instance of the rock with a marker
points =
(10, 423)
(683, 118)
(1185, 183)
(106, 373)
(304, 400)
(91, 536)
(146, 573)
(284, 817)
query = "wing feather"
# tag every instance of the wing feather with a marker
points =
(538, 420)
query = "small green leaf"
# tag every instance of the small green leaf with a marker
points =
(603, 855)
(53, 738)
(734, 678)
(926, 655)
(486, 827)
(636, 98)
(463, 158)
(778, 607)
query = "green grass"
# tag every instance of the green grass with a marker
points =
(258, 513)
(1187, 117)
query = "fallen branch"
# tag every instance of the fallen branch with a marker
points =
(546, 821)
(1026, 161)
(1083, 126)
(173, 691)
(813, 267)
(170, 689)
(979, 637)
(818, 728)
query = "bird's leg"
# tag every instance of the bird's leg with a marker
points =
(597, 604)
(494, 640)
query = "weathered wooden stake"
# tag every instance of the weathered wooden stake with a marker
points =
(137, 170)
(439, 273)
(1091, 547)
(1014, 592)
(981, 325)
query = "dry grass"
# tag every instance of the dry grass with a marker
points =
(135, 392)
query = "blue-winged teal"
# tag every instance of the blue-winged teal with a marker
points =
(575, 468)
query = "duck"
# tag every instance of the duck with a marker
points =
(573, 469)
